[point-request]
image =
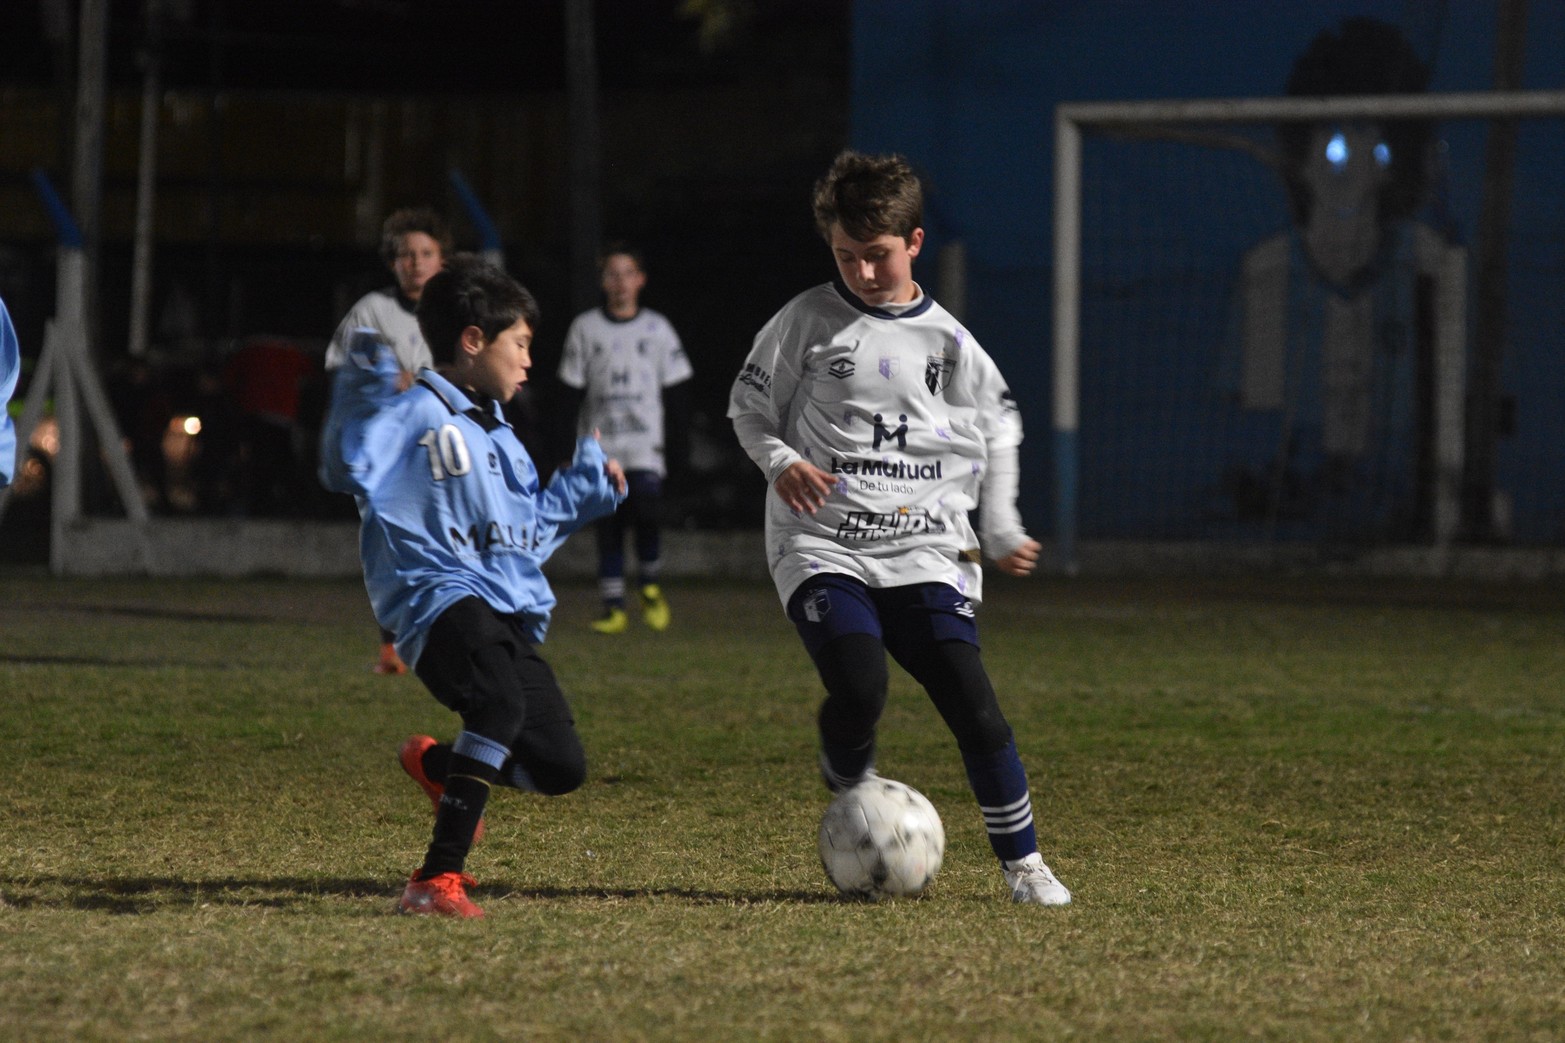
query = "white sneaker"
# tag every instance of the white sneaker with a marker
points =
(1032, 883)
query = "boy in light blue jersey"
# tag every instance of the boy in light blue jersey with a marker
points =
(10, 368)
(455, 529)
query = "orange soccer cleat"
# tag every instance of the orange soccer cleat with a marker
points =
(444, 894)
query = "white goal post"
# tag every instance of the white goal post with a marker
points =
(1185, 120)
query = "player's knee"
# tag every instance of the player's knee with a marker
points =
(985, 733)
(961, 689)
(560, 775)
(552, 758)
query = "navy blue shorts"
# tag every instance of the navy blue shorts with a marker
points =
(830, 605)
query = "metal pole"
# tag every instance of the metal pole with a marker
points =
(1067, 336)
(87, 156)
(585, 197)
(146, 184)
(1489, 325)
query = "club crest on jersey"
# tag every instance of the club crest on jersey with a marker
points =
(842, 369)
(937, 372)
(889, 366)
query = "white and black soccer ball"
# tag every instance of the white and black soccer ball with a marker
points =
(881, 838)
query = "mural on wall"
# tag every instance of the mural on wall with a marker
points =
(1353, 318)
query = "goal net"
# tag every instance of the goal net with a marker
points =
(1321, 323)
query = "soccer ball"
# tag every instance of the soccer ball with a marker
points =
(881, 838)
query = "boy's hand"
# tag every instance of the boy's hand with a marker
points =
(1022, 560)
(616, 474)
(804, 487)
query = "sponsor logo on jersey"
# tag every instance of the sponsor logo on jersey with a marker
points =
(483, 537)
(757, 378)
(890, 366)
(937, 372)
(898, 469)
(883, 433)
(867, 526)
(842, 369)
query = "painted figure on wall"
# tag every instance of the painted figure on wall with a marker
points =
(1353, 324)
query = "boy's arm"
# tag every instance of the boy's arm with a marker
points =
(10, 369)
(1000, 528)
(759, 400)
(342, 337)
(761, 397)
(588, 488)
(358, 421)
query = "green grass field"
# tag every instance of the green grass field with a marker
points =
(1288, 809)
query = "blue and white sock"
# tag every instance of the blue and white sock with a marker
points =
(1000, 783)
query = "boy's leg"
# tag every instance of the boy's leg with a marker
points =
(389, 662)
(836, 619)
(933, 636)
(644, 505)
(610, 533)
(467, 664)
(546, 754)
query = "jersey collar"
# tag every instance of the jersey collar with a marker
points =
(881, 313)
(485, 413)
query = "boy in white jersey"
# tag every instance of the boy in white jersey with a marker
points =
(627, 363)
(414, 243)
(878, 421)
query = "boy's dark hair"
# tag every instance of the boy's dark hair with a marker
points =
(469, 291)
(620, 248)
(869, 196)
(1362, 56)
(412, 219)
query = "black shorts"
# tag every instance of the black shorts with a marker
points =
(477, 661)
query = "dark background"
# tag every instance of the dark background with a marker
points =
(715, 118)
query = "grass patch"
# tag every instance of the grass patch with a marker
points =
(1288, 810)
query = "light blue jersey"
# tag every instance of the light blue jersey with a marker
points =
(10, 367)
(449, 500)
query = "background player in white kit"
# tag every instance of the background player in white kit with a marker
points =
(630, 368)
(878, 421)
(414, 243)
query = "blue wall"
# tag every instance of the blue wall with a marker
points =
(967, 91)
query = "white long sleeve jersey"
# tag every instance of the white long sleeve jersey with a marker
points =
(909, 415)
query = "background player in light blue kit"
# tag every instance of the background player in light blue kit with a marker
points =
(455, 529)
(10, 369)
(879, 421)
(630, 369)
